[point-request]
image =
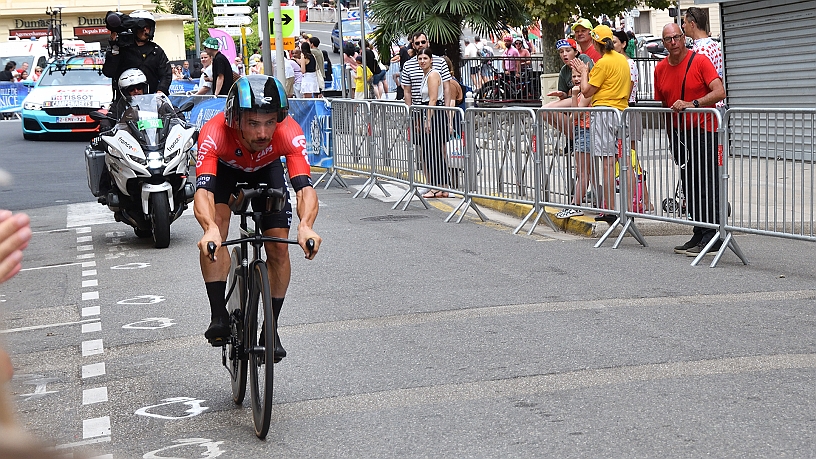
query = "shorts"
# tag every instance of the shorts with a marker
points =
(474, 70)
(309, 84)
(227, 177)
(581, 140)
(378, 78)
(604, 127)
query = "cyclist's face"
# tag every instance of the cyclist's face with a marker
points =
(257, 129)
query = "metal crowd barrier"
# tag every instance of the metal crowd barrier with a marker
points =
(771, 171)
(751, 171)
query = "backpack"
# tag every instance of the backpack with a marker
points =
(486, 52)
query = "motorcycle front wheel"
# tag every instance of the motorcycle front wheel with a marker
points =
(160, 220)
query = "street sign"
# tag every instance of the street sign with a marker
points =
(290, 20)
(288, 43)
(235, 31)
(232, 20)
(230, 2)
(220, 10)
(635, 13)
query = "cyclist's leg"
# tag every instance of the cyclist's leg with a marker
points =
(277, 255)
(215, 281)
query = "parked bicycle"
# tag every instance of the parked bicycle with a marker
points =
(524, 87)
(251, 346)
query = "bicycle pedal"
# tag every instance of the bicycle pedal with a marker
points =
(217, 342)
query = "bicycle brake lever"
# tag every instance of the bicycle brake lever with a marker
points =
(211, 249)
(310, 244)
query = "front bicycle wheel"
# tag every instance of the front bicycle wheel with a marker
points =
(260, 341)
(236, 355)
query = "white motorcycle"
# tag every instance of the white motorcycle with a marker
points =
(139, 169)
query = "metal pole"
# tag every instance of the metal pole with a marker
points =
(366, 91)
(196, 30)
(263, 27)
(279, 71)
(343, 90)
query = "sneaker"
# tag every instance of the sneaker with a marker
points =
(681, 249)
(694, 251)
(567, 213)
(608, 218)
(218, 332)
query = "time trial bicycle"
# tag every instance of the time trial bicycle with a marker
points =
(251, 344)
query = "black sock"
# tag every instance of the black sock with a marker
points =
(216, 292)
(277, 304)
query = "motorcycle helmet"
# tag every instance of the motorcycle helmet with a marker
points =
(256, 93)
(145, 19)
(130, 78)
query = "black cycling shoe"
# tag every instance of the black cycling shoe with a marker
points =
(280, 352)
(218, 332)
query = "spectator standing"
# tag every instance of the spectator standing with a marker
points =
(412, 75)
(239, 66)
(608, 85)
(695, 26)
(568, 50)
(406, 52)
(687, 80)
(472, 54)
(582, 30)
(581, 140)
(524, 55)
(205, 80)
(294, 63)
(185, 70)
(222, 74)
(361, 80)
(308, 66)
(433, 125)
(511, 65)
(314, 43)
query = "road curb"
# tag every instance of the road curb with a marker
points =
(582, 226)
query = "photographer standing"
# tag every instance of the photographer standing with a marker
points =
(132, 46)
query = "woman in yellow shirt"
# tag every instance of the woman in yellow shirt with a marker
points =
(608, 84)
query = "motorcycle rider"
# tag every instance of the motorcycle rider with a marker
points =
(132, 82)
(244, 144)
(142, 54)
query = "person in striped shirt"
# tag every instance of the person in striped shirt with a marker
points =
(411, 75)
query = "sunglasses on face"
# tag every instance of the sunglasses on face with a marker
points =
(420, 42)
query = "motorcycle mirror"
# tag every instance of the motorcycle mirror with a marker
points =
(185, 107)
(99, 116)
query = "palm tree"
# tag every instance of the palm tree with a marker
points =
(442, 22)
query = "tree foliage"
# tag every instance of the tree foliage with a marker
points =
(442, 21)
(554, 14)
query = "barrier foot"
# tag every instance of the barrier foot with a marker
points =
(705, 250)
(334, 177)
(379, 185)
(404, 195)
(608, 232)
(524, 221)
(631, 228)
(365, 188)
(472, 205)
(455, 209)
(730, 243)
(542, 214)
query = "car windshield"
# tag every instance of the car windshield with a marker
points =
(18, 59)
(353, 27)
(73, 77)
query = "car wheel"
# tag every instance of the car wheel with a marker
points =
(335, 49)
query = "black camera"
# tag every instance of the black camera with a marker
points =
(124, 25)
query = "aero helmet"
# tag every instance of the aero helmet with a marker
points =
(145, 19)
(256, 93)
(130, 78)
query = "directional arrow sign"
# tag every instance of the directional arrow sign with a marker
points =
(232, 20)
(236, 31)
(232, 10)
(290, 18)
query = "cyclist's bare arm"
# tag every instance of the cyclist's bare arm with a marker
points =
(307, 207)
(204, 209)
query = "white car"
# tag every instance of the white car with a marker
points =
(60, 101)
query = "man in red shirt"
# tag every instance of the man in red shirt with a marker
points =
(244, 144)
(687, 80)
(582, 30)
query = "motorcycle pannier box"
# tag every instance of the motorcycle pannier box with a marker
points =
(94, 165)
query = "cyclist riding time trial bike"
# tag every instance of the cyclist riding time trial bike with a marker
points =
(252, 322)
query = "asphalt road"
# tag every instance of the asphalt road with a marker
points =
(408, 337)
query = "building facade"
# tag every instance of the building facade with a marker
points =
(85, 20)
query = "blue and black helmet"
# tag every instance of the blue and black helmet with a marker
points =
(256, 93)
